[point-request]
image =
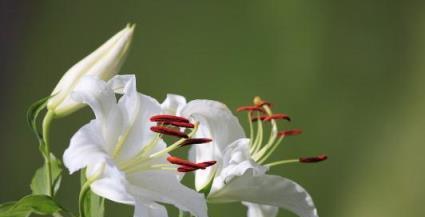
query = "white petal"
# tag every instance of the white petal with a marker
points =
(85, 148)
(112, 183)
(173, 104)
(163, 186)
(236, 162)
(257, 210)
(217, 123)
(146, 209)
(137, 132)
(97, 95)
(268, 190)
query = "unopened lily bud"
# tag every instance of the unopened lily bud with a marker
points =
(104, 63)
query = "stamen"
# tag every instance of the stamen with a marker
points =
(313, 159)
(293, 132)
(186, 163)
(184, 169)
(178, 124)
(250, 108)
(271, 117)
(259, 102)
(195, 141)
(277, 117)
(168, 131)
(207, 163)
(168, 118)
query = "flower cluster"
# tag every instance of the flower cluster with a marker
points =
(127, 152)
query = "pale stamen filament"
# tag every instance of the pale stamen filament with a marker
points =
(282, 162)
(259, 138)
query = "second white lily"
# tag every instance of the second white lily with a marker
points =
(239, 174)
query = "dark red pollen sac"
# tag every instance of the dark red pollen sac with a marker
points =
(261, 118)
(184, 169)
(188, 166)
(185, 163)
(178, 124)
(207, 163)
(313, 159)
(277, 117)
(168, 118)
(293, 132)
(250, 108)
(271, 117)
(169, 132)
(193, 141)
(262, 103)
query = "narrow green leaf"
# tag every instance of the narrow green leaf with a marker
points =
(39, 183)
(38, 204)
(94, 205)
(32, 114)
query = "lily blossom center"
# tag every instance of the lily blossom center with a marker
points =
(261, 149)
(167, 125)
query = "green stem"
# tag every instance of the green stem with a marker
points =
(84, 190)
(48, 118)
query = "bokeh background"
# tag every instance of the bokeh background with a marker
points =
(350, 73)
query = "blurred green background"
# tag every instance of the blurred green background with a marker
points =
(350, 73)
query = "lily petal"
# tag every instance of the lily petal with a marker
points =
(96, 94)
(163, 186)
(85, 148)
(218, 123)
(236, 162)
(257, 210)
(268, 190)
(101, 98)
(112, 183)
(173, 104)
(146, 209)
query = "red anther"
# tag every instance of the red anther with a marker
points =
(185, 163)
(193, 141)
(271, 117)
(277, 117)
(250, 108)
(261, 118)
(313, 159)
(168, 131)
(262, 103)
(168, 118)
(178, 124)
(292, 132)
(207, 163)
(184, 169)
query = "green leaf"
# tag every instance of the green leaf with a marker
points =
(39, 183)
(94, 205)
(38, 204)
(32, 114)
(5, 207)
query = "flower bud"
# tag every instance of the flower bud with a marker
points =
(104, 63)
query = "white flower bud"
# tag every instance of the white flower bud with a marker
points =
(104, 63)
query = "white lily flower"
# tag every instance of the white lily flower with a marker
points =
(122, 152)
(104, 63)
(240, 174)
